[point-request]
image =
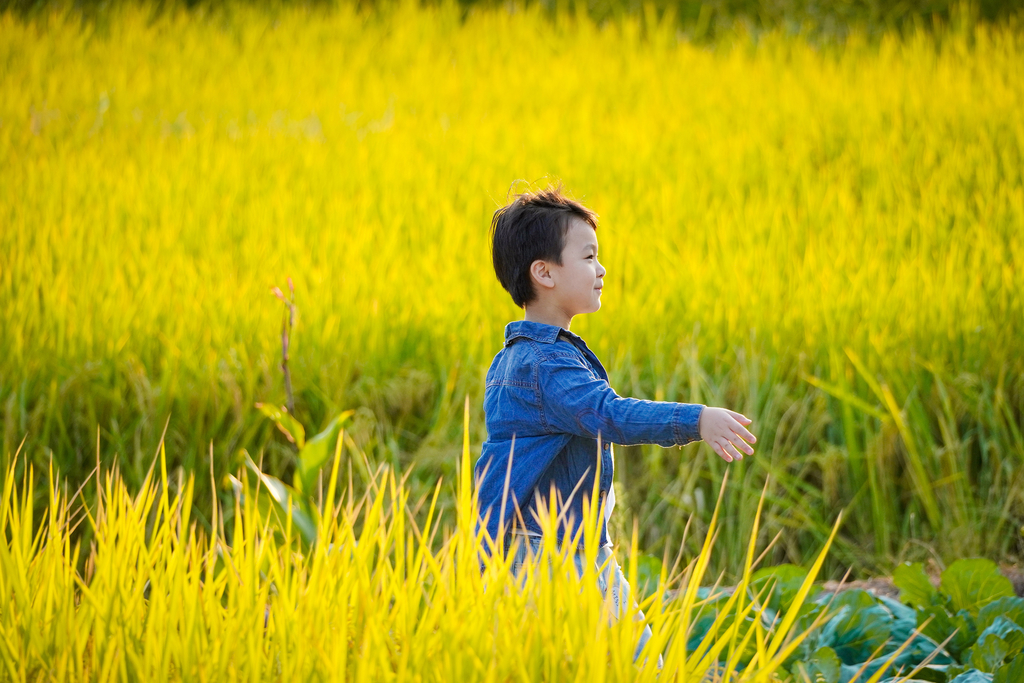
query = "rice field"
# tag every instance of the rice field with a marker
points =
(825, 237)
(161, 599)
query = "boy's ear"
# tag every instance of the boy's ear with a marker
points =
(540, 273)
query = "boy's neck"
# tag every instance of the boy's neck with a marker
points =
(548, 315)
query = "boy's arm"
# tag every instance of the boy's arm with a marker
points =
(578, 402)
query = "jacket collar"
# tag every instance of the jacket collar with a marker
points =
(540, 332)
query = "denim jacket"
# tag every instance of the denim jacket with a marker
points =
(548, 390)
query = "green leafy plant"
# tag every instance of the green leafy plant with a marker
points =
(974, 612)
(850, 636)
(297, 500)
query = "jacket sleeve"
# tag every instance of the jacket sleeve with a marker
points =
(579, 402)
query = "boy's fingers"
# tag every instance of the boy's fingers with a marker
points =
(740, 417)
(717, 448)
(731, 450)
(741, 444)
(744, 433)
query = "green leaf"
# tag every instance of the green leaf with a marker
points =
(698, 631)
(915, 587)
(988, 653)
(849, 671)
(860, 626)
(286, 498)
(955, 670)
(785, 581)
(943, 624)
(1003, 640)
(1012, 608)
(1010, 673)
(972, 584)
(710, 601)
(928, 673)
(291, 427)
(265, 505)
(809, 613)
(823, 666)
(316, 453)
(648, 573)
(1005, 628)
(901, 628)
(900, 612)
(973, 676)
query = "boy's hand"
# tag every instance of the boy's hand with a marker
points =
(725, 431)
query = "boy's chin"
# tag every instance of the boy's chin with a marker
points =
(592, 308)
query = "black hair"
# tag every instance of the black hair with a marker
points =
(533, 226)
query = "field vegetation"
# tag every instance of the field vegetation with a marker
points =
(827, 237)
(355, 588)
(371, 599)
(699, 20)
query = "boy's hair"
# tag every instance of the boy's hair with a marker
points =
(533, 226)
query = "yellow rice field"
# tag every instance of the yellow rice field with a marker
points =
(155, 597)
(828, 238)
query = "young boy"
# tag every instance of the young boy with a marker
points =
(548, 391)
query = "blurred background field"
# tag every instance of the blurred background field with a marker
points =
(824, 234)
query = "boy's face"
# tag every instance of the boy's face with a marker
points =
(578, 281)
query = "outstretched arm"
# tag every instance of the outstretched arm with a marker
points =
(586, 405)
(579, 402)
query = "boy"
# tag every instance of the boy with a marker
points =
(548, 391)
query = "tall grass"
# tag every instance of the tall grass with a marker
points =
(159, 599)
(827, 239)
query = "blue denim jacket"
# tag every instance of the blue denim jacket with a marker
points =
(549, 390)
